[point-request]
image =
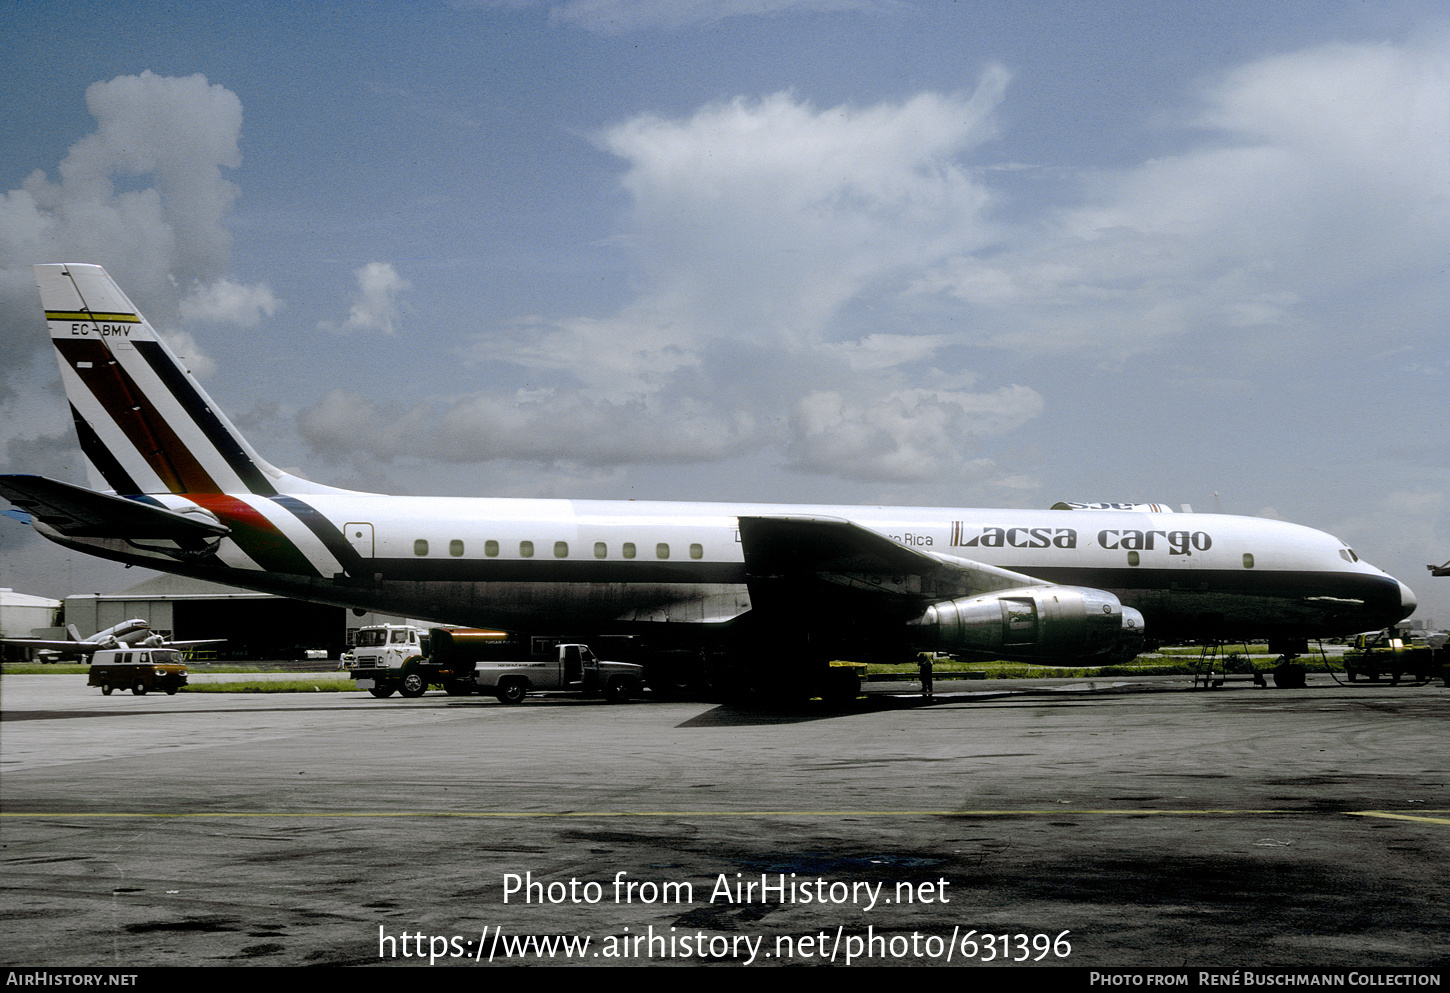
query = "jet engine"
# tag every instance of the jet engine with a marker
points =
(1039, 622)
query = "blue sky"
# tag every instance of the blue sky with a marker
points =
(970, 254)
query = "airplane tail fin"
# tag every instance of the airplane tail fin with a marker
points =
(144, 422)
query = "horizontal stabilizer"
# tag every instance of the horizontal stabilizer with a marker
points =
(77, 512)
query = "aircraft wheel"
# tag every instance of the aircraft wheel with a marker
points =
(107, 688)
(619, 691)
(842, 686)
(512, 691)
(381, 692)
(414, 685)
(139, 689)
(1352, 675)
(1290, 676)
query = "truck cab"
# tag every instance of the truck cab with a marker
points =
(386, 646)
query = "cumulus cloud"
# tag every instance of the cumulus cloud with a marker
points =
(884, 351)
(178, 133)
(807, 276)
(906, 435)
(229, 302)
(629, 355)
(375, 305)
(755, 227)
(1322, 176)
(762, 219)
(196, 361)
(537, 427)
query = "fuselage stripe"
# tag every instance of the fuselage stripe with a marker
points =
(327, 533)
(254, 534)
(206, 419)
(86, 315)
(101, 457)
(136, 416)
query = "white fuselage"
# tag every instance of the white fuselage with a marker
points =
(567, 564)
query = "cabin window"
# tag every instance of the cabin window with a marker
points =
(561, 549)
(526, 549)
(490, 548)
(455, 548)
(662, 551)
(420, 547)
(601, 550)
(697, 551)
(1248, 560)
(629, 549)
(1133, 558)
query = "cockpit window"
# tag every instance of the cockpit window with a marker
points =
(1348, 555)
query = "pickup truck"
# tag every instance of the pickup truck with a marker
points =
(1385, 652)
(571, 668)
(404, 659)
(138, 670)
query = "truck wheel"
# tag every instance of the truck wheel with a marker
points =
(512, 691)
(1289, 675)
(171, 691)
(414, 685)
(1352, 675)
(619, 691)
(381, 692)
(139, 689)
(106, 688)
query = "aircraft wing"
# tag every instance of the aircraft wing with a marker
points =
(77, 512)
(791, 562)
(90, 647)
(68, 647)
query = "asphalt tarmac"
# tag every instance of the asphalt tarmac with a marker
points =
(1130, 824)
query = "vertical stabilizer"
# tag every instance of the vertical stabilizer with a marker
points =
(144, 422)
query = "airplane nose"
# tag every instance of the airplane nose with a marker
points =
(1408, 603)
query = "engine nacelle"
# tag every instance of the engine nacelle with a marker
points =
(1048, 622)
(198, 546)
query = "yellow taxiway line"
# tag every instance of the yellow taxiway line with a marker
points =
(1419, 816)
